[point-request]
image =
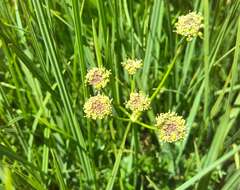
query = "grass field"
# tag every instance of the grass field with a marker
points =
(55, 135)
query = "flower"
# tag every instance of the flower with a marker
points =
(98, 107)
(132, 65)
(171, 127)
(138, 102)
(189, 25)
(98, 77)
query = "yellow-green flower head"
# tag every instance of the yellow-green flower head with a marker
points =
(171, 127)
(138, 102)
(132, 65)
(98, 77)
(98, 107)
(189, 25)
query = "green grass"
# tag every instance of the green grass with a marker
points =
(46, 48)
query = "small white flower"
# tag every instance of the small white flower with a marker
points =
(138, 102)
(98, 107)
(189, 25)
(171, 127)
(132, 65)
(98, 77)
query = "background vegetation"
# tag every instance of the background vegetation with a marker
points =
(47, 47)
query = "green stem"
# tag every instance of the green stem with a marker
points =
(206, 58)
(132, 83)
(118, 159)
(125, 111)
(145, 125)
(96, 44)
(166, 74)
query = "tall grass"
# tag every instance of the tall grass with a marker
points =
(46, 48)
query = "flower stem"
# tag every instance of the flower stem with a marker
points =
(118, 159)
(132, 83)
(145, 125)
(166, 74)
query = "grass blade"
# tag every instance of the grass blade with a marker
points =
(208, 169)
(48, 40)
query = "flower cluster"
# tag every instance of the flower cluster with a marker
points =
(98, 77)
(132, 65)
(138, 102)
(189, 25)
(98, 107)
(171, 127)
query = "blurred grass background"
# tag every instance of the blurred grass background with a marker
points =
(46, 47)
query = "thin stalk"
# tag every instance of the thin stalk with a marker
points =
(145, 125)
(132, 83)
(151, 41)
(170, 67)
(118, 159)
(96, 44)
(102, 17)
(206, 58)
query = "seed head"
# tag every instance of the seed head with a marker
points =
(138, 102)
(132, 65)
(98, 107)
(189, 25)
(98, 77)
(171, 127)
